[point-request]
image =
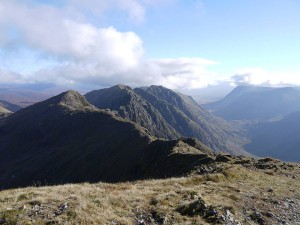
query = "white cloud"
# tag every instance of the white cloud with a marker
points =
(136, 11)
(183, 72)
(85, 53)
(254, 76)
(172, 73)
(9, 77)
(46, 29)
(259, 76)
(134, 8)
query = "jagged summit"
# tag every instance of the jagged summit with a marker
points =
(175, 98)
(158, 89)
(166, 94)
(121, 87)
(66, 102)
(111, 97)
(129, 105)
(71, 100)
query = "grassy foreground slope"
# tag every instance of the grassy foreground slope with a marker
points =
(239, 191)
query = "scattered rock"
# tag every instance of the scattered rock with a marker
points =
(269, 214)
(290, 201)
(2, 220)
(153, 217)
(223, 158)
(268, 160)
(199, 208)
(228, 218)
(202, 170)
(275, 202)
(159, 219)
(64, 206)
(265, 166)
(257, 217)
(212, 212)
(61, 209)
(141, 222)
(242, 160)
(36, 208)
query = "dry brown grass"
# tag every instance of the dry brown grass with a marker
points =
(237, 188)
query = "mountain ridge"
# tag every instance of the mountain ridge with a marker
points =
(66, 139)
(256, 103)
(131, 106)
(180, 113)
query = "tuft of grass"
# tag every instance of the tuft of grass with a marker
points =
(154, 201)
(217, 178)
(71, 215)
(10, 216)
(22, 197)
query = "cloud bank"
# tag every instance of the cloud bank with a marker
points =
(80, 51)
(86, 53)
(261, 77)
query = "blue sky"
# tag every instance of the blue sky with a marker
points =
(176, 43)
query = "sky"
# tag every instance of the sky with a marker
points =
(181, 44)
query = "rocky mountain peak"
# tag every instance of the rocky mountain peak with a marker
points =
(160, 88)
(164, 93)
(70, 99)
(121, 87)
